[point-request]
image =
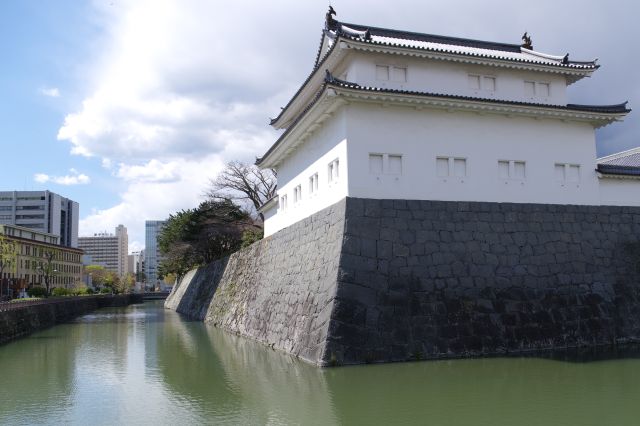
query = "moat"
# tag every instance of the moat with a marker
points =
(147, 365)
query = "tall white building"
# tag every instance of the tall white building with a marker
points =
(110, 250)
(390, 114)
(42, 211)
(136, 263)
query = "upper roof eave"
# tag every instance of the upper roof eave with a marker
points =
(582, 67)
(575, 69)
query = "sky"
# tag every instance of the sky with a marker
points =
(130, 107)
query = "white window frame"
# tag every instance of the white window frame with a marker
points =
(388, 68)
(313, 184)
(565, 174)
(511, 170)
(385, 163)
(481, 82)
(283, 202)
(391, 73)
(536, 90)
(451, 160)
(297, 194)
(333, 171)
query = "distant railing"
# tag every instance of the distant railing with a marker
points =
(18, 304)
(155, 295)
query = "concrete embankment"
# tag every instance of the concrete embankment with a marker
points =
(20, 321)
(395, 280)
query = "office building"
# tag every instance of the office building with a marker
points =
(43, 211)
(109, 250)
(152, 256)
(136, 264)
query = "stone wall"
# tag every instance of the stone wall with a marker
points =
(428, 279)
(25, 320)
(394, 280)
(278, 291)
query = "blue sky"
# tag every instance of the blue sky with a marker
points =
(130, 106)
(46, 48)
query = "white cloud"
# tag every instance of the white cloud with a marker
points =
(148, 199)
(168, 108)
(107, 163)
(74, 178)
(161, 94)
(52, 92)
(153, 171)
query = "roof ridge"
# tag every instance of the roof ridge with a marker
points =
(461, 41)
(337, 26)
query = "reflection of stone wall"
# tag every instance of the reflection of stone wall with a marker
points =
(425, 279)
(25, 320)
(278, 291)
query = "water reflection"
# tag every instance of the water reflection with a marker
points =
(145, 365)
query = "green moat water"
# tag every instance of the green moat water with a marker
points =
(145, 365)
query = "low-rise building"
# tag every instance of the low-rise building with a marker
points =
(36, 254)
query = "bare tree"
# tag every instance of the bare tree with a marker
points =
(244, 182)
(48, 269)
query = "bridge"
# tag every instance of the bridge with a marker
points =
(157, 295)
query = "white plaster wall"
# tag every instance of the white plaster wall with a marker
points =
(444, 77)
(326, 145)
(619, 192)
(421, 136)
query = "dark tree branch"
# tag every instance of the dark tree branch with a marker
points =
(242, 181)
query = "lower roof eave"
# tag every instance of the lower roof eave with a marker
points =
(269, 204)
(617, 175)
(336, 93)
(592, 114)
(325, 104)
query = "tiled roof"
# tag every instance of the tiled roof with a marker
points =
(453, 45)
(434, 43)
(622, 163)
(606, 109)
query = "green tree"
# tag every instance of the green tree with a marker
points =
(124, 284)
(8, 257)
(195, 237)
(98, 274)
(170, 278)
(112, 281)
